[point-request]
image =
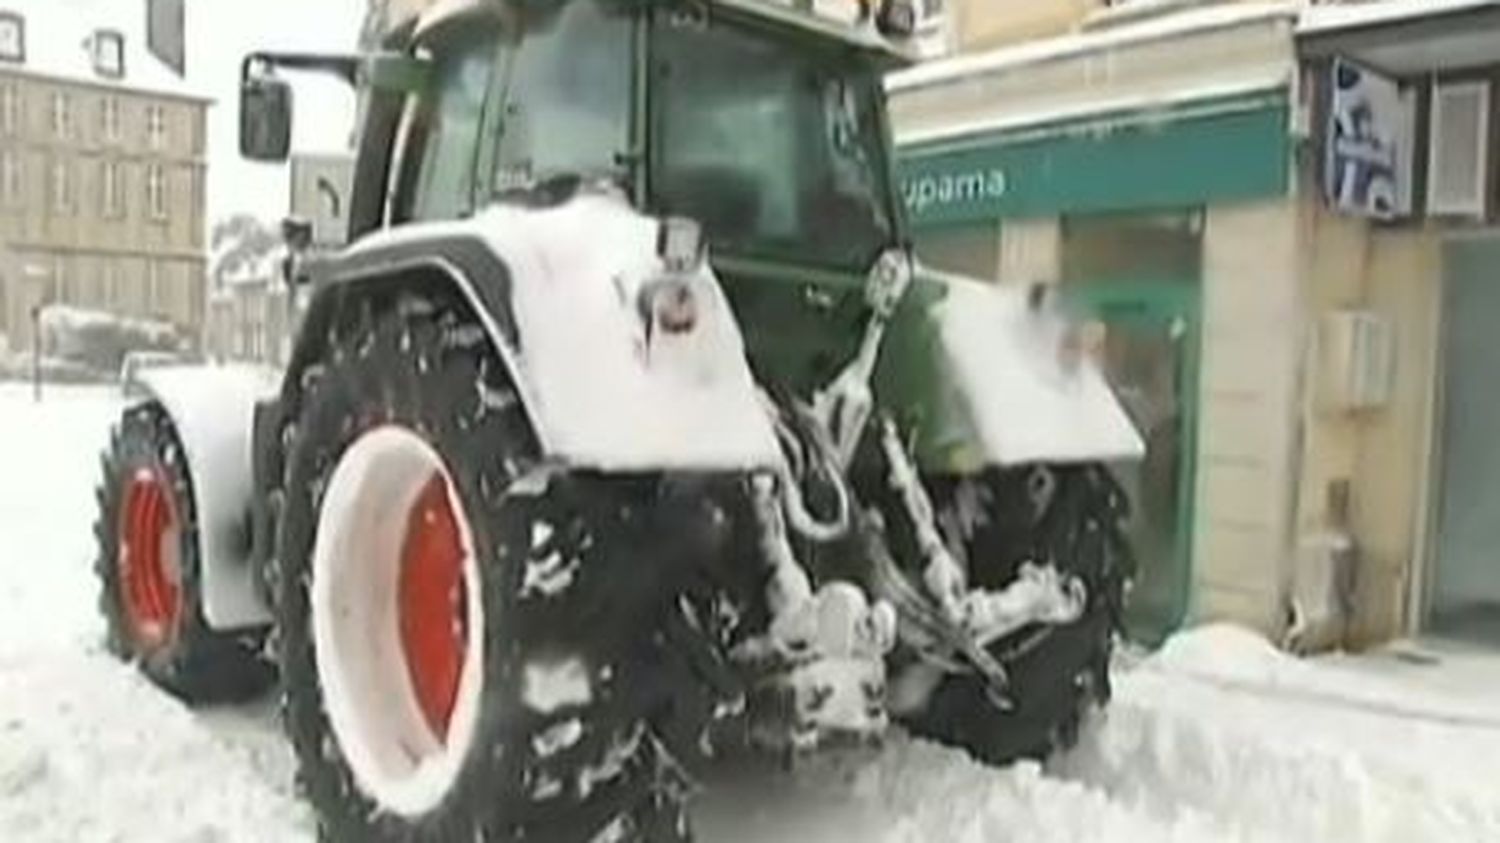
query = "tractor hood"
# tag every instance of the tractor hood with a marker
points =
(989, 374)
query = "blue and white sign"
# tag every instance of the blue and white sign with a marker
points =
(1367, 169)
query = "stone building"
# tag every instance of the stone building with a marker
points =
(102, 169)
(249, 317)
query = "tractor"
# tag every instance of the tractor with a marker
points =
(626, 428)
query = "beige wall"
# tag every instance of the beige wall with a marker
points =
(1384, 453)
(1248, 385)
(1022, 90)
(984, 24)
(981, 24)
(1392, 474)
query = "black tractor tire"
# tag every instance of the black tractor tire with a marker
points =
(589, 769)
(1073, 517)
(150, 572)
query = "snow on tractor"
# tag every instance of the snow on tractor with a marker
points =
(626, 426)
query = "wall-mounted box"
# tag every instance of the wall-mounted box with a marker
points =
(1356, 360)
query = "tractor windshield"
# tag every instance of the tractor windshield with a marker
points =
(774, 146)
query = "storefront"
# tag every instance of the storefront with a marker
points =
(1417, 83)
(1464, 598)
(1161, 220)
(1294, 256)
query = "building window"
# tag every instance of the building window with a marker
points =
(12, 37)
(109, 119)
(60, 279)
(10, 108)
(62, 116)
(108, 48)
(156, 192)
(1458, 154)
(156, 126)
(153, 288)
(10, 177)
(112, 283)
(112, 185)
(62, 187)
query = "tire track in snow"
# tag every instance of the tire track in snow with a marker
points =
(913, 791)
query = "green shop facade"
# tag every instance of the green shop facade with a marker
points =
(1173, 224)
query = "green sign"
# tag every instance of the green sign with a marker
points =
(1213, 151)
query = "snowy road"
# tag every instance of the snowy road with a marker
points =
(1217, 738)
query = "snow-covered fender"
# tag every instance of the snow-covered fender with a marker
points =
(983, 375)
(211, 409)
(563, 292)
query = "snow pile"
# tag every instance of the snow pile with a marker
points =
(932, 793)
(1223, 724)
(88, 751)
(99, 341)
(49, 455)
(1217, 738)
(913, 791)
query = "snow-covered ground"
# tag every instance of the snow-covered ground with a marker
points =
(1216, 738)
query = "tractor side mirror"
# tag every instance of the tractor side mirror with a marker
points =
(265, 118)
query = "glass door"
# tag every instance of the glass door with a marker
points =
(1150, 356)
(1465, 588)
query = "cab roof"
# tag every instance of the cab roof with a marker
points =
(427, 15)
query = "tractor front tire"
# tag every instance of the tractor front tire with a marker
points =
(150, 573)
(424, 700)
(1072, 517)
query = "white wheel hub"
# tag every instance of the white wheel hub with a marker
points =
(398, 620)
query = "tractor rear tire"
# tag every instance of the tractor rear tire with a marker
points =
(431, 691)
(150, 573)
(1058, 675)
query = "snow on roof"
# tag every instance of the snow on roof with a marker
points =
(1344, 16)
(1050, 49)
(59, 37)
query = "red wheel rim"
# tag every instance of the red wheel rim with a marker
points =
(148, 560)
(432, 603)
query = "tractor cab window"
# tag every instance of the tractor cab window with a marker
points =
(567, 100)
(774, 146)
(446, 126)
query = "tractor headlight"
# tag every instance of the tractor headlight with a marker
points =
(887, 281)
(679, 244)
(669, 305)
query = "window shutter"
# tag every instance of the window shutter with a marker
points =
(1458, 160)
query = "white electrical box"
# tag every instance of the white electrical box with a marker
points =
(1356, 360)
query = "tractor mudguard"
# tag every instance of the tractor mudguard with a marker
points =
(212, 409)
(980, 376)
(620, 363)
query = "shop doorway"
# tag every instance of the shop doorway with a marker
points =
(1138, 274)
(1150, 357)
(1465, 585)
